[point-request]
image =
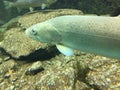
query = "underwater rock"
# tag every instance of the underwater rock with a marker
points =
(61, 79)
(28, 87)
(10, 24)
(17, 44)
(11, 88)
(104, 73)
(82, 86)
(6, 66)
(60, 74)
(35, 68)
(35, 17)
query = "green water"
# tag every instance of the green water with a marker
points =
(1, 36)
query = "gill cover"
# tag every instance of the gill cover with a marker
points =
(44, 32)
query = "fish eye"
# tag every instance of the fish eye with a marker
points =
(34, 32)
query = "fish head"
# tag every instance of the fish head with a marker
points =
(44, 32)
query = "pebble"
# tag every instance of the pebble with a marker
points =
(10, 88)
(6, 66)
(35, 68)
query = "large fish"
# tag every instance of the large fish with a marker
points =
(94, 34)
(28, 3)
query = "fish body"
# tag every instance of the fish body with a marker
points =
(29, 3)
(94, 34)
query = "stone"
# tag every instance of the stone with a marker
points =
(17, 44)
(104, 73)
(36, 17)
(34, 68)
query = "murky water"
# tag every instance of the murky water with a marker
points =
(1, 36)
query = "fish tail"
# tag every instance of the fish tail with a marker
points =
(8, 4)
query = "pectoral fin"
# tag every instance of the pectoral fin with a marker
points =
(31, 9)
(65, 50)
(43, 6)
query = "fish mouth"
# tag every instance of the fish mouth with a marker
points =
(26, 32)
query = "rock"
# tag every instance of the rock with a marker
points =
(32, 18)
(11, 23)
(17, 44)
(104, 73)
(11, 88)
(6, 66)
(6, 58)
(61, 79)
(4, 86)
(79, 85)
(35, 68)
(28, 87)
(60, 75)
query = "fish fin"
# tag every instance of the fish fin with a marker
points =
(31, 9)
(43, 6)
(65, 50)
(8, 4)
